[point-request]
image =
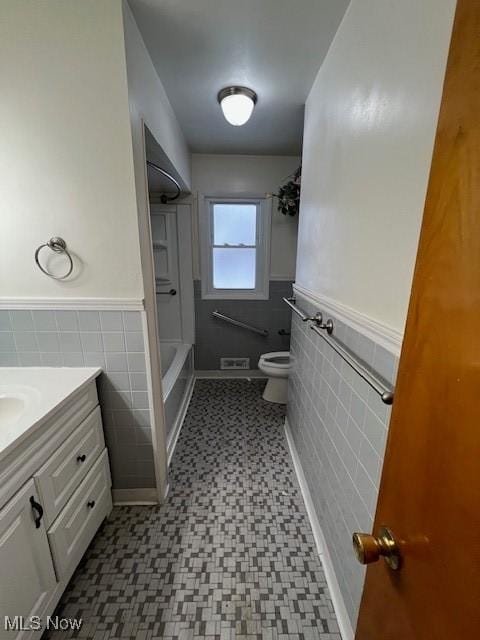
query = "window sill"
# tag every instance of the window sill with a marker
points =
(240, 295)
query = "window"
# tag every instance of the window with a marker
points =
(235, 245)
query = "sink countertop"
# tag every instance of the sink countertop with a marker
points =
(45, 389)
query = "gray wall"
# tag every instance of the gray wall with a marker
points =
(339, 426)
(112, 340)
(215, 339)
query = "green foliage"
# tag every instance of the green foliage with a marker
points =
(289, 195)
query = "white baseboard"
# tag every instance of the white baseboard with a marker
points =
(135, 496)
(229, 373)
(182, 412)
(337, 599)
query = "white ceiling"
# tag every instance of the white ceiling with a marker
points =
(274, 47)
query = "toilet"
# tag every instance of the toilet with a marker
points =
(276, 365)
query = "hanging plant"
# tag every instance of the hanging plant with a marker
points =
(289, 195)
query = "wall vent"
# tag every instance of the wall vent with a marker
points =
(234, 363)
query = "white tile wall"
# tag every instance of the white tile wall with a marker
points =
(112, 340)
(339, 425)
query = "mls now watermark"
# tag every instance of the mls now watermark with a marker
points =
(35, 623)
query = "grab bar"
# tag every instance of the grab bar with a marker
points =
(317, 319)
(371, 377)
(297, 310)
(237, 323)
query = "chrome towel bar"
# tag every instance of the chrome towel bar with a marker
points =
(317, 319)
(58, 245)
(371, 377)
(297, 310)
(238, 323)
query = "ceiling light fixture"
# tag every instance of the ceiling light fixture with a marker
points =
(237, 104)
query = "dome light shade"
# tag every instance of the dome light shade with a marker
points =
(237, 104)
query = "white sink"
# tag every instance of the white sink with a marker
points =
(14, 402)
(11, 409)
(29, 395)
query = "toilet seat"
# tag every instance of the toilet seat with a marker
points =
(276, 359)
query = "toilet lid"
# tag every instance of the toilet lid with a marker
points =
(277, 358)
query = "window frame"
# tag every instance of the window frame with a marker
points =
(262, 249)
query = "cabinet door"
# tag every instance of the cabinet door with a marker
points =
(26, 568)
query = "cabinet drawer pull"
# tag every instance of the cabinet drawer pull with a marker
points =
(39, 509)
(91, 504)
(81, 458)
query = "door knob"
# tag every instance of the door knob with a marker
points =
(369, 548)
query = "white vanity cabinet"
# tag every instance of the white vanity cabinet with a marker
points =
(55, 491)
(27, 575)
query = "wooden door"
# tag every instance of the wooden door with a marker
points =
(430, 488)
(26, 567)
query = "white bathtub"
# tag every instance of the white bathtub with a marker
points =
(177, 383)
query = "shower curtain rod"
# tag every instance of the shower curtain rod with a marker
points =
(165, 198)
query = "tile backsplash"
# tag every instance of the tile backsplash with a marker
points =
(112, 340)
(339, 426)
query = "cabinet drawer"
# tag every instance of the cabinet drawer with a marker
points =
(72, 531)
(66, 468)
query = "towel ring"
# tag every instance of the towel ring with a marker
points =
(59, 246)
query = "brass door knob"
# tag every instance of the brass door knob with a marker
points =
(369, 548)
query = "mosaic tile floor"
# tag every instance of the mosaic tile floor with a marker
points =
(230, 556)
